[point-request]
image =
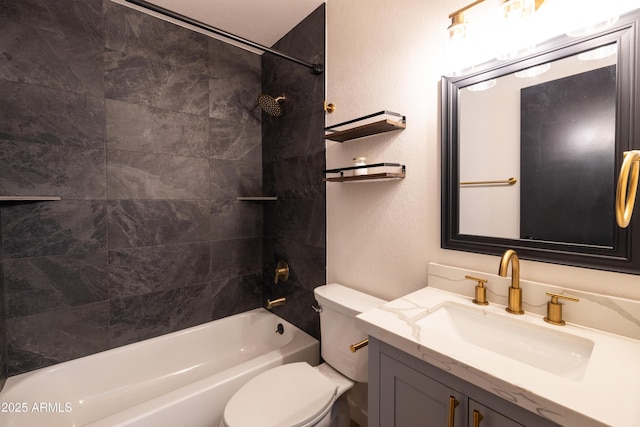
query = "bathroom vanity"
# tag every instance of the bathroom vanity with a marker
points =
(436, 358)
(435, 347)
(409, 392)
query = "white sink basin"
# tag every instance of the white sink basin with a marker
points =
(574, 375)
(553, 351)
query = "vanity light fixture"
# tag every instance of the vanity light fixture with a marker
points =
(533, 71)
(593, 28)
(512, 9)
(485, 85)
(458, 28)
(599, 53)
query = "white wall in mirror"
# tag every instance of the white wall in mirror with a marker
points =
(490, 144)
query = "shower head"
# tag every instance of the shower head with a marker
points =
(271, 105)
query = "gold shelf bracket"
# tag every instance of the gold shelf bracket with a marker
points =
(329, 108)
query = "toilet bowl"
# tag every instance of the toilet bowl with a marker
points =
(301, 395)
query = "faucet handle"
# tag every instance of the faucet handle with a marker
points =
(554, 308)
(282, 272)
(358, 346)
(481, 291)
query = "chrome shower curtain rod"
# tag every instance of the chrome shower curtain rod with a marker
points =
(315, 68)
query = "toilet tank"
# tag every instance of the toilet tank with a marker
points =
(340, 306)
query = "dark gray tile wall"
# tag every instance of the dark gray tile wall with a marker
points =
(294, 158)
(3, 327)
(148, 131)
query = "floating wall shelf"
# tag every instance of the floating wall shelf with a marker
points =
(400, 172)
(385, 125)
(28, 198)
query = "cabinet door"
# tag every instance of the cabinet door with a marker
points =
(409, 398)
(481, 416)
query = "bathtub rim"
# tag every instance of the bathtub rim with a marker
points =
(300, 342)
(14, 379)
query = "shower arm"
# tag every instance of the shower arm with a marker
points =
(315, 68)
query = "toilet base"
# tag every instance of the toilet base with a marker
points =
(358, 398)
(341, 413)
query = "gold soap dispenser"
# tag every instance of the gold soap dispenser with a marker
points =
(481, 291)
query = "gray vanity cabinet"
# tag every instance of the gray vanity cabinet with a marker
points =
(407, 392)
(410, 399)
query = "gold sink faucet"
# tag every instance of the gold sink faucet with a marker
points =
(515, 293)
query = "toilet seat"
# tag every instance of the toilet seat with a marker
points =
(291, 395)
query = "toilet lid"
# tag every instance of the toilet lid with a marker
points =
(290, 395)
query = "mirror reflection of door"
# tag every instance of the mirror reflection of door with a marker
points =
(543, 205)
(567, 139)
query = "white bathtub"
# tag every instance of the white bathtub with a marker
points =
(180, 379)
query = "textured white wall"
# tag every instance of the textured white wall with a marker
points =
(384, 54)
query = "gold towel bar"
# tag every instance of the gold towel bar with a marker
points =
(510, 181)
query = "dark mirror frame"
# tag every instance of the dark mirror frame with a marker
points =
(624, 256)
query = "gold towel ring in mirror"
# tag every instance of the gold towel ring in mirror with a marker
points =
(625, 198)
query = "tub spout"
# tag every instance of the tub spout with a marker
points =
(275, 303)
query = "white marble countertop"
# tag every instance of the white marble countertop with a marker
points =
(607, 393)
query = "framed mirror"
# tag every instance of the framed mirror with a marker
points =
(531, 150)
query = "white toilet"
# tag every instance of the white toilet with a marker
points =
(300, 395)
